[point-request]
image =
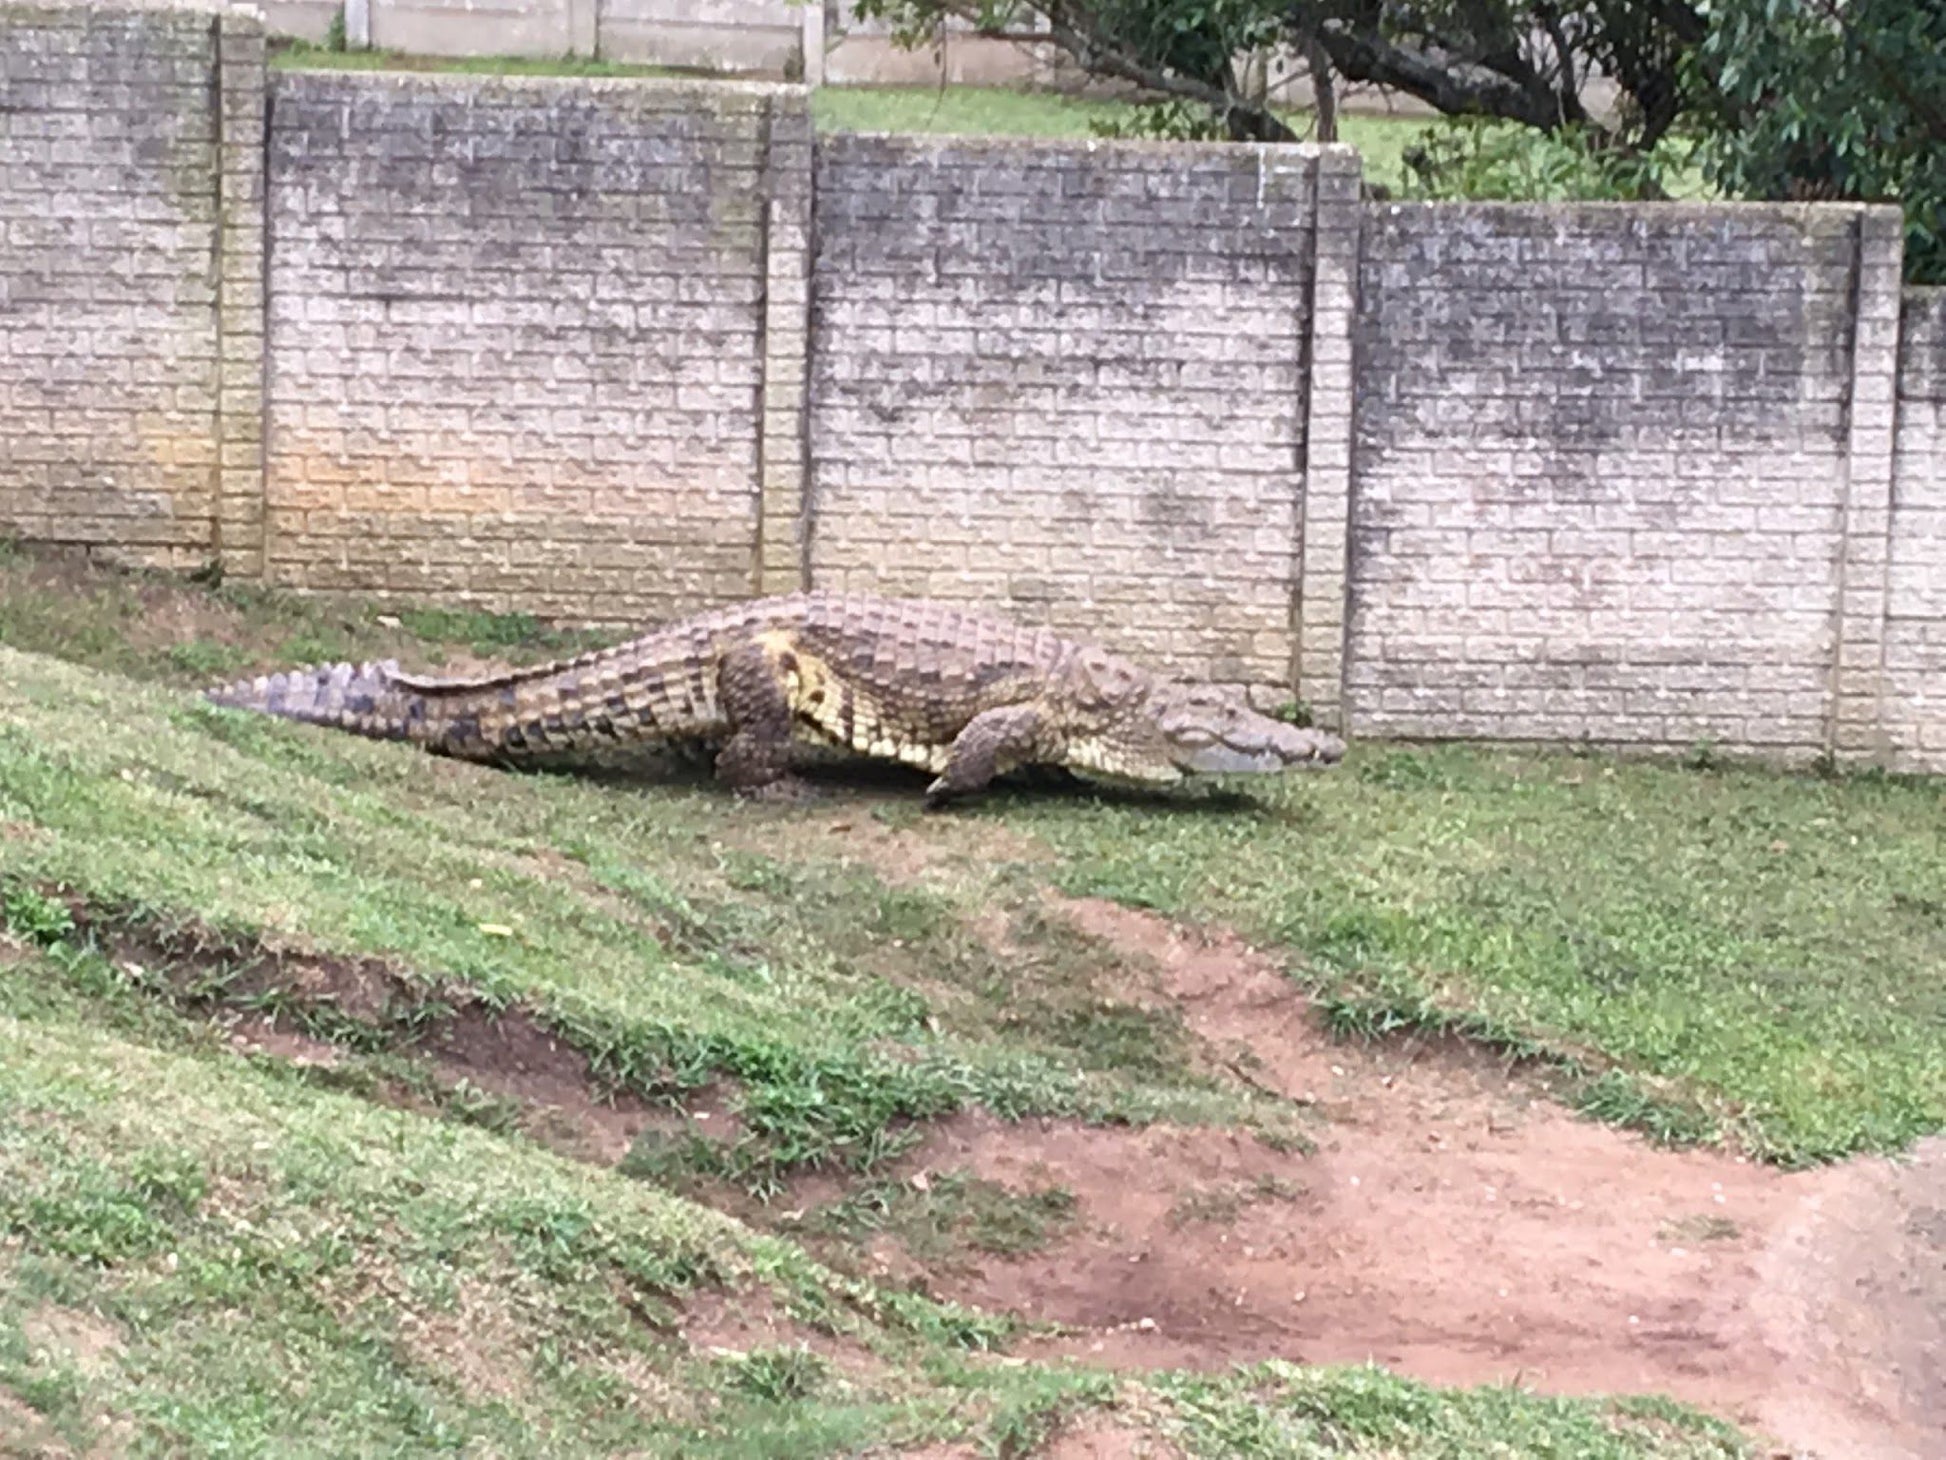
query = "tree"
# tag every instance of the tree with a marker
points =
(1526, 61)
(1831, 99)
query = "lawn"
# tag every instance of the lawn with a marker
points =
(960, 110)
(210, 1246)
(1724, 952)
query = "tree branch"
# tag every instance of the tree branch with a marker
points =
(1362, 56)
(1244, 118)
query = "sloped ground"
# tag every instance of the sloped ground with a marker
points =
(1454, 1223)
(600, 1115)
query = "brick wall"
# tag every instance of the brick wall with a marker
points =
(1915, 635)
(516, 339)
(1067, 380)
(108, 284)
(1600, 462)
(719, 35)
(615, 351)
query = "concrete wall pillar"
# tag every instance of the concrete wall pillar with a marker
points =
(1318, 657)
(784, 457)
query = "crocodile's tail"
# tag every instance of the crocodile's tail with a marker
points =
(371, 699)
(652, 689)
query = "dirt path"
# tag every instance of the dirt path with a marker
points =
(1456, 1225)
(1453, 1223)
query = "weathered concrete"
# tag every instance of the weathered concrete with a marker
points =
(1067, 381)
(621, 350)
(109, 338)
(1913, 708)
(1601, 471)
(518, 338)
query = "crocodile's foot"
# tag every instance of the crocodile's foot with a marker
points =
(940, 795)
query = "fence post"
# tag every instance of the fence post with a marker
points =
(1318, 660)
(241, 89)
(813, 42)
(1856, 727)
(782, 564)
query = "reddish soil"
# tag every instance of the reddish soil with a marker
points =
(1456, 1225)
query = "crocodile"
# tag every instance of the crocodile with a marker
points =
(963, 695)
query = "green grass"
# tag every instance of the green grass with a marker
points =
(1001, 112)
(1732, 950)
(948, 1214)
(207, 1251)
(301, 55)
(141, 624)
(606, 908)
(957, 110)
(254, 1259)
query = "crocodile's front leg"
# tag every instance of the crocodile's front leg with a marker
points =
(754, 691)
(992, 743)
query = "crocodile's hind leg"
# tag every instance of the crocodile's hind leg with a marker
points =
(753, 688)
(992, 743)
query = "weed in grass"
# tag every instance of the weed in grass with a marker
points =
(207, 660)
(780, 1375)
(937, 1217)
(34, 917)
(1030, 1412)
(1278, 1411)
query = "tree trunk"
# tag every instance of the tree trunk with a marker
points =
(1324, 90)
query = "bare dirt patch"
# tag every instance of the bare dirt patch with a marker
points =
(456, 1038)
(24, 1432)
(263, 1035)
(732, 1325)
(1457, 1225)
(1097, 1438)
(86, 1341)
(477, 1344)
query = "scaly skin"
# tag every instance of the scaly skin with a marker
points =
(964, 696)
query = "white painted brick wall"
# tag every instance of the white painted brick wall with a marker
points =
(517, 338)
(1065, 380)
(1914, 707)
(108, 290)
(1599, 472)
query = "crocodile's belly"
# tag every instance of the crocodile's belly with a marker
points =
(853, 717)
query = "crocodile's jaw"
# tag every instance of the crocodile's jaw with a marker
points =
(1208, 731)
(1225, 760)
(1266, 749)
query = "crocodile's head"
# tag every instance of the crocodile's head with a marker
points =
(1132, 726)
(1210, 731)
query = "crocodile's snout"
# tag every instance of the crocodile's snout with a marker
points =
(1262, 747)
(1300, 746)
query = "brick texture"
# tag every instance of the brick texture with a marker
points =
(240, 298)
(108, 334)
(1065, 380)
(1914, 704)
(1329, 408)
(1857, 678)
(1600, 472)
(615, 351)
(516, 340)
